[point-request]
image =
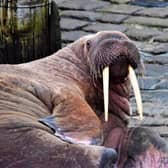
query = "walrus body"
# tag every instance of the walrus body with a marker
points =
(50, 111)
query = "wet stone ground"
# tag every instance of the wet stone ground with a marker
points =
(147, 27)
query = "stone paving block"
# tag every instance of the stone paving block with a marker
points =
(140, 44)
(164, 113)
(158, 59)
(150, 108)
(165, 138)
(141, 33)
(123, 9)
(163, 84)
(153, 98)
(146, 57)
(157, 97)
(163, 55)
(83, 4)
(162, 131)
(154, 12)
(154, 121)
(95, 27)
(148, 21)
(113, 18)
(72, 35)
(120, 1)
(154, 103)
(165, 30)
(94, 16)
(156, 70)
(84, 15)
(154, 48)
(154, 59)
(161, 38)
(147, 82)
(59, 1)
(71, 24)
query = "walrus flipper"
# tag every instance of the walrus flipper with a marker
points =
(31, 147)
(73, 120)
(146, 149)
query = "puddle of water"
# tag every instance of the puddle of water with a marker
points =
(150, 3)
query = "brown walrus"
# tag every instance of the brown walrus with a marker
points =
(51, 110)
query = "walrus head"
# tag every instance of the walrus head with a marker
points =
(112, 58)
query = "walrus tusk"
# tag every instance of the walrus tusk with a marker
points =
(106, 91)
(136, 90)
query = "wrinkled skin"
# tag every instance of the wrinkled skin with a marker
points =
(51, 110)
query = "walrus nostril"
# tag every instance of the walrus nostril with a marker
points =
(109, 158)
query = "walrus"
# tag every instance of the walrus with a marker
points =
(51, 109)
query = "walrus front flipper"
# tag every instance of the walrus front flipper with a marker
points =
(74, 121)
(30, 146)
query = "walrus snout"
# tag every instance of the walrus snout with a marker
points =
(115, 53)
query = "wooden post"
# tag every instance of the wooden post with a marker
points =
(28, 30)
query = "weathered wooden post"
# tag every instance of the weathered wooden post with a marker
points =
(29, 29)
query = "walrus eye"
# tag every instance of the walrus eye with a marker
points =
(88, 44)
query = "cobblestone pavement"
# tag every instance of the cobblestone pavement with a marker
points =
(147, 27)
